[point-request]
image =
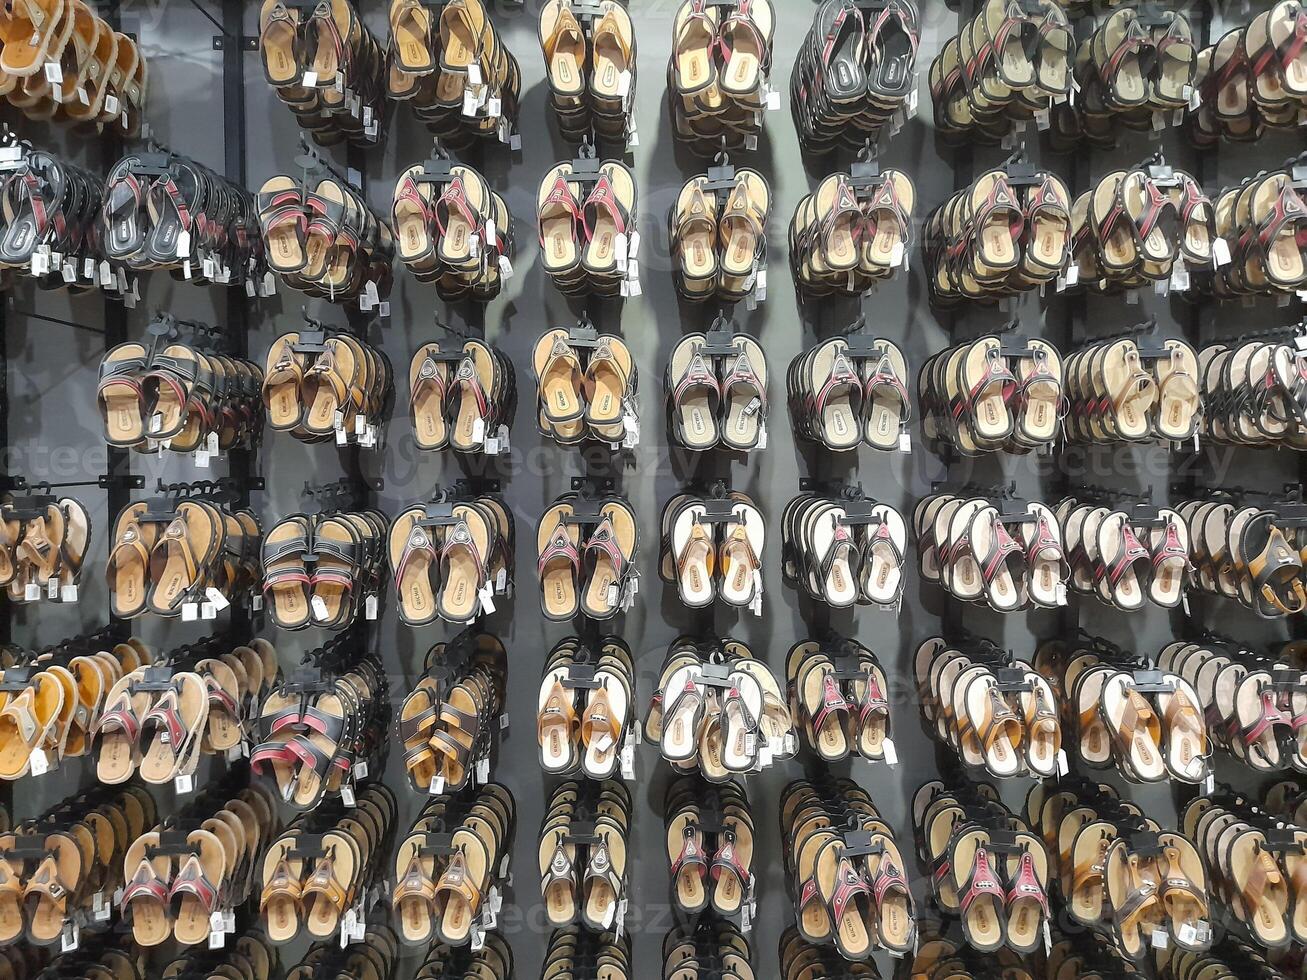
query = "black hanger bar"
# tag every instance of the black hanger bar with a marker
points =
(56, 320)
(310, 161)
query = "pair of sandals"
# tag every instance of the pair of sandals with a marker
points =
(1121, 875)
(176, 394)
(586, 708)
(855, 71)
(442, 891)
(718, 709)
(721, 951)
(589, 567)
(320, 388)
(1136, 228)
(989, 868)
(991, 395)
(1250, 554)
(452, 66)
(176, 881)
(587, 228)
(585, 387)
(493, 961)
(719, 236)
(583, 852)
(102, 77)
(54, 712)
(188, 220)
(1250, 700)
(43, 546)
(181, 556)
(717, 73)
(325, 240)
(1259, 222)
(1125, 557)
(849, 887)
(571, 951)
(1256, 867)
(461, 397)
(1134, 391)
(1009, 61)
(324, 865)
(314, 733)
(327, 68)
(56, 869)
(590, 69)
(717, 398)
(1252, 79)
(48, 208)
(1120, 712)
(709, 847)
(995, 712)
(252, 955)
(448, 720)
(992, 552)
(851, 234)
(457, 234)
(840, 701)
(838, 560)
(708, 556)
(1254, 394)
(451, 569)
(321, 569)
(1003, 235)
(1135, 71)
(843, 396)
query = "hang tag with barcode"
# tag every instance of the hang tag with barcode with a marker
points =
(220, 601)
(1063, 765)
(1220, 252)
(483, 770)
(101, 910)
(38, 762)
(905, 441)
(207, 610)
(347, 794)
(470, 103)
(183, 784)
(437, 786)
(487, 595)
(627, 761)
(1160, 939)
(41, 261)
(370, 608)
(891, 753)
(52, 588)
(190, 612)
(319, 607)
(31, 592)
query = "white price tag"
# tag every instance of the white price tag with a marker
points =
(183, 784)
(1063, 766)
(370, 608)
(493, 107)
(71, 937)
(207, 610)
(905, 441)
(474, 73)
(31, 592)
(310, 79)
(190, 612)
(1220, 252)
(623, 84)
(891, 753)
(1059, 592)
(1160, 939)
(41, 261)
(627, 762)
(319, 607)
(53, 73)
(38, 762)
(483, 770)
(347, 794)
(470, 102)
(437, 786)
(219, 600)
(479, 430)
(361, 770)
(487, 594)
(52, 588)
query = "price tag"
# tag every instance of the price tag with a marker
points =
(891, 753)
(31, 592)
(190, 612)
(469, 102)
(483, 770)
(69, 270)
(52, 588)
(501, 581)
(53, 73)
(1160, 939)
(347, 794)
(478, 939)
(370, 608)
(1059, 592)
(1209, 784)
(71, 938)
(632, 134)
(236, 752)
(627, 761)
(183, 784)
(437, 786)
(487, 595)
(623, 84)
(1048, 938)
(111, 105)
(905, 442)
(1063, 766)
(38, 762)
(41, 261)
(207, 610)
(1220, 252)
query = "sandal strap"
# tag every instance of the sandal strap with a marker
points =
(561, 867)
(456, 881)
(843, 377)
(429, 376)
(727, 861)
(468, 381)
(560, 546)
(849, 885)
(982, 881)
(453, 196)
(1025, 884)
(832, 702)
(604, 197)
(414, 883)
(604, 541)
(697, 375)
(884, 376)
(692, 855)
(886, 878)
(191, 880)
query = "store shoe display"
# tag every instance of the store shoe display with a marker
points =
(323, 864)
(996, 712)
(448, 721)
(855, 74)
(587, 547)
(1008, 63)
(324, 569)
(584, 849)
(717, 76)
(843, 549)
(719, 709)
(327, 68)
(586, 385)
(716, 386)
(587, 708)
(590, 68)
(844, 871)
(63, 62)
(492, 961)
(1134, 390)
(853, 232)
(165, 211)
(1120, 710)
(840, 698)
(323, 238)
(317, 726)
(1254, 236)
(44, 546)
(453, 230)
(586, 211)
(440, 889)
(989, 867)
(710, 847)
(719, 234)
(186, 548)
(705, 950)
(462, 396)
(1009, 231)
(319, 386)
(1005, 553)
(577, 953)
(711, 548)
(1127, 556)
(50, 209)
(1253, 394)
(186, 397)
(452, 66)
(851, 390)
